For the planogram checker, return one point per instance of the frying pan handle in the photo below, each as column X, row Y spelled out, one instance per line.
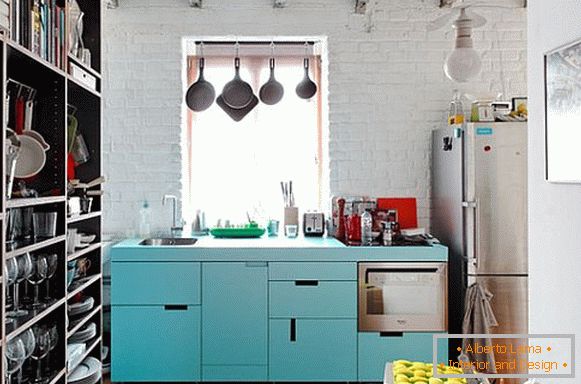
column 237, row 63
column 202, row 63
column 272, row 63
column 306, row 63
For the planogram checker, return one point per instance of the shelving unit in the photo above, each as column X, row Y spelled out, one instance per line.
column 56, row 89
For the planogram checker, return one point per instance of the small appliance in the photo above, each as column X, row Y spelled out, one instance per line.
column 314, row 224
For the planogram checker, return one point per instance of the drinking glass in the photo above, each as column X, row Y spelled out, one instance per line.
column 52, row 261
column 53, row 341
column 24, row 268
column 10, row 273
column 44, row 224
column 29, row 342
column 38, row 275
column 15, row 356
column 42, row 338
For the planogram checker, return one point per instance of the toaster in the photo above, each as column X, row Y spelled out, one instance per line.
column 314, row 224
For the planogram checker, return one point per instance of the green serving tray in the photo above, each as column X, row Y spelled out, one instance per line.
column 237, row 233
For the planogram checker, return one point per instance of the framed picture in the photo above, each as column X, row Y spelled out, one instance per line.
column 519, row 101
column 563, row 114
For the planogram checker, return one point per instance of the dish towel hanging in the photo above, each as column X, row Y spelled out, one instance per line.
column 478, row 319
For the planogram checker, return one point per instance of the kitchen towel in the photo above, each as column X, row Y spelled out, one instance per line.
column 478, row 319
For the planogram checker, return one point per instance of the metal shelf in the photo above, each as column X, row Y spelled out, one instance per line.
column 84, row 321
column 89, row 281
column 84, row 216
column 39, row 316
column 83, row 251
column 31, row 202
column 35, row 246
column 86, row 354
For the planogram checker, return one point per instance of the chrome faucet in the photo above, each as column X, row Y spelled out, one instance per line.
column 177, row 227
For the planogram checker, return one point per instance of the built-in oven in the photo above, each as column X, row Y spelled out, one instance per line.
column 403, row 297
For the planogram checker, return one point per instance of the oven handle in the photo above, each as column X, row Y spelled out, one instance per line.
column 399, row 270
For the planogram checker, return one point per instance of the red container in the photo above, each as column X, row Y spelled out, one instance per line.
column 353, row 224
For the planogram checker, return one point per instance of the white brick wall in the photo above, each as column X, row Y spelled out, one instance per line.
column 387, row 89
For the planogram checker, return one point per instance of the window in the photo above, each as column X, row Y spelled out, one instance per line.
column 236, row 167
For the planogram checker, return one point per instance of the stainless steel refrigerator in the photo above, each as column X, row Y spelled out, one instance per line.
column 479, row 210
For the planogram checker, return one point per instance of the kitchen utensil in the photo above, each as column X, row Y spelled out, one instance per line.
column 306, row 88
column 314, row 224
column 52, row 262
column 199, row 224
column 291, row 217
column 272, row 91
column 37, row 277
column 245, row 232
column 83, row 306
column 44, row 224
column 291, row 230
column 86, row 238
column 71, row 240
column 201, row 94
column 80, row 150
column 237, row 93
column 237, row 114
column 31, row 159
column 86, row 204
column 73, row 206
column 273, row 228
column 83, row 266
column 12, row 151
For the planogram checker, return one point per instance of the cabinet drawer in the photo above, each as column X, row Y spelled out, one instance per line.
column 312, row 271
column 313, row 350
column 234, row 373
column 155, row 343
column 313, row 298
column 155, row 283
column 376, row 350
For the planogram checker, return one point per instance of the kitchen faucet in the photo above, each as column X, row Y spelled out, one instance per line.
column 176, row 228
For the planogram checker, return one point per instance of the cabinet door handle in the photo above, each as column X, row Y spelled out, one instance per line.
column 293, row 330
column 255, row 264
column 312, row 283
column 390, row 334
column 174, row 307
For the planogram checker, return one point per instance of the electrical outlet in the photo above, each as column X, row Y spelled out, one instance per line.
column 361, row 6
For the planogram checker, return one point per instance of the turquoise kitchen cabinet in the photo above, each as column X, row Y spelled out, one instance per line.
column 155, row 343
column 283, row 271
column 234, row 321
column 313, row 298
column 376, row 349
column 313, row 350
column 155, row 283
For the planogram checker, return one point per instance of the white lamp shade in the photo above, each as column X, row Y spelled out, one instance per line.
column 462, row 64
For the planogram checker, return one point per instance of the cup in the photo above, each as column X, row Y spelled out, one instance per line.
column 83, row 266
column 291, row 230
column 273, row 227
column 44, row 224
column 71, row 240
column 86, row 204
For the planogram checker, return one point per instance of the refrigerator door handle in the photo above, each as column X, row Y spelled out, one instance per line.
column 472, row 230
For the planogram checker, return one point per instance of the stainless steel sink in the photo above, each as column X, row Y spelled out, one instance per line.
column 168, row 241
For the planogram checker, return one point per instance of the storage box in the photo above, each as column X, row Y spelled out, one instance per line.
column 83, row 76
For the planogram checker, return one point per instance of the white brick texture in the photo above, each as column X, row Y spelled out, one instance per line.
column 387, row 90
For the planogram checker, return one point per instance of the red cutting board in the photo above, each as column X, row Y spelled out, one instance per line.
column 407, row 210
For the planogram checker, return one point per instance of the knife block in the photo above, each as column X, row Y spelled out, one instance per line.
column 291, row 217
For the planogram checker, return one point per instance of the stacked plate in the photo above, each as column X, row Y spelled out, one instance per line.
column 85, row 305
column 88, row 372
column 84, row 334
